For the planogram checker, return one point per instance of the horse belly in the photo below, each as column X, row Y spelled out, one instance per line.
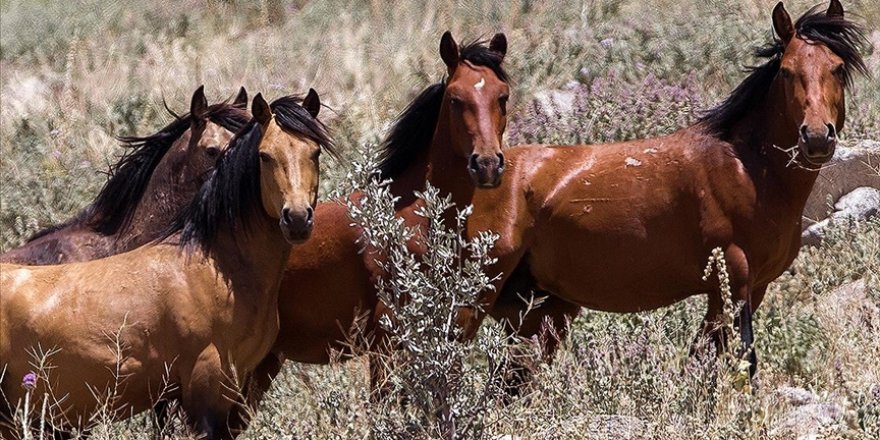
column 622, row 265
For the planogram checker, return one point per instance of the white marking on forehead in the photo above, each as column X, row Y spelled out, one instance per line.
column 480, row 84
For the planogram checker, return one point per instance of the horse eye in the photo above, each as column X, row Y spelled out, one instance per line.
column 213, row 151
column 785, row 72
column 503, row 102
column 265, row 157
column 455, row 102
column 839, row 71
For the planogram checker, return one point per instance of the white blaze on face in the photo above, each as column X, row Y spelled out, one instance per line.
column 480, row 84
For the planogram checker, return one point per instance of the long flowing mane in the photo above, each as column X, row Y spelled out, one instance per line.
column 845, row 38
column 116, row 203
column 232, row 194
column 411, row 134
column 118, row 199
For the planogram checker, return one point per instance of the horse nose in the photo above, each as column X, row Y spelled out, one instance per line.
column 832, row 132
column 816, row 142
column 310, row 216
column 472, row 163
column 297, row 224
column 486, row 170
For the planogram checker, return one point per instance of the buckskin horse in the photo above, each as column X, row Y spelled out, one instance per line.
column 148, row 187
column 629, row 226
column 197, row 309
column 450, row 134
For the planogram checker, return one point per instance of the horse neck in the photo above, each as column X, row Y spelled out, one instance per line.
column 171, row 187
column 410, row 180
column 252, row 255
column 760, row 138
column 446, row 170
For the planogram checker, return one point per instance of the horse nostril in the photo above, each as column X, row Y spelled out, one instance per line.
column 472, row 164
column 832, row 132
column 285, row 215
column 310, row 215
column 804, row 132
column 500, row 161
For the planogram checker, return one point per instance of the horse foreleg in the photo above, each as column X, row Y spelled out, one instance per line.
column 747, row 337
column 255, row 388
column 713, row 328
column 743, row 290
column 206, row 405
column 747, row 331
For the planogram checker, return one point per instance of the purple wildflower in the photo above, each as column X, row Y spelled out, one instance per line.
column 29, row 381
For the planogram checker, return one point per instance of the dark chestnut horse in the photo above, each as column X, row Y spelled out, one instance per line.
column 629, row 226
column 148, row 187
column 451, row 136
column 197, row 308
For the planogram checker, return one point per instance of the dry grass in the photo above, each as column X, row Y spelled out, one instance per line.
column 74, row 74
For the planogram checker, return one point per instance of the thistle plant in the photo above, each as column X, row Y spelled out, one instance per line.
column 449, row 385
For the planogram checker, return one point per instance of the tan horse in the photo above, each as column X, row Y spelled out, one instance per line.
column 629, row 226
column 199, row 308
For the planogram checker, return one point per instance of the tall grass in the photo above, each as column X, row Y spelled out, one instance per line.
column 75, row 74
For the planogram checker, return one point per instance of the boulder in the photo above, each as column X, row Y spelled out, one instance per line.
column 852, row 167
column 860, row 204
column 805, row 422
column 796, row 396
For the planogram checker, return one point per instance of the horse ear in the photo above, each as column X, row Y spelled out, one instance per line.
column 835, row 9
column 498, row 44
column 261, row 110
column 782, row 23
column 449, row 51
column 241, row 99
column 312, row 103
column 199, row 105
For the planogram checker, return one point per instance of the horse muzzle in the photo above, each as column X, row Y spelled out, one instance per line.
column 486, row 170
column 296, row 227
column 817, row 145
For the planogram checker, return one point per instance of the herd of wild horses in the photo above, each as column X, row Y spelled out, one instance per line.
column 184, row 258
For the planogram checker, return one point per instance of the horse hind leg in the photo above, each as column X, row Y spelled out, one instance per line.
column 548, row 323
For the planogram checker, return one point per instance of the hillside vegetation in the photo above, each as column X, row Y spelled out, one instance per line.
column 75, row 74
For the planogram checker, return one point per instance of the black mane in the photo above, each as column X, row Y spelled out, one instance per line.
column 232, row 193
column 845, row 38
column 116, row 203
column 118, row 199
column 410, row 136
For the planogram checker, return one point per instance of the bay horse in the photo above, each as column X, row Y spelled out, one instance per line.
column 197, row 308
column 150, row 184
column 449, row 135
column 629, row 226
